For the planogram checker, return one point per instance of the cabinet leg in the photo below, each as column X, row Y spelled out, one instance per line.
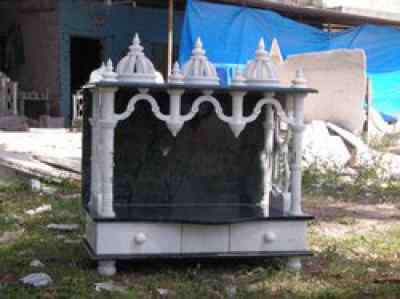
column 106, row 268
column 294, row 264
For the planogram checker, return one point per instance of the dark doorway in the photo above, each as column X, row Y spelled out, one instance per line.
column 86, row 55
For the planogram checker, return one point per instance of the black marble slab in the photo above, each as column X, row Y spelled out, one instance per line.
column 226, row 214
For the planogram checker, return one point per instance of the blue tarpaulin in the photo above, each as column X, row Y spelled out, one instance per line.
column 230, row 35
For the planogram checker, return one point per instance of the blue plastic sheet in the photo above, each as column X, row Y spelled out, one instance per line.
column 230, row 35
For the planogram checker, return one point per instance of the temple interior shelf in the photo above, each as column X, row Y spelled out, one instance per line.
column 197, row 214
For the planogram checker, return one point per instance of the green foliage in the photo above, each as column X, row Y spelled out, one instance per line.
column 371, row 180
column 383, row 143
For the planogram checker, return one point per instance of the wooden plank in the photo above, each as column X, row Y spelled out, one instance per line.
column 62, row 164
column 26, row 166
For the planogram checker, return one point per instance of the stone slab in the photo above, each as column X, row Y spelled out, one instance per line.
column 204, row 165
column 341, row 79
column 323, row 149
column 378, row 127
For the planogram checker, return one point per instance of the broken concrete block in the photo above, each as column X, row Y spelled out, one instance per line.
column 360, row 149
column 323, row 149
column 110, row 286
column 36, row 185
column 377, row 127
column 341, row 79
column 36, row 264
column 163, row 293
column 37, row 280
column 39, row 210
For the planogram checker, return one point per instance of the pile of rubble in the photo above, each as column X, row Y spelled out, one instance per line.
column 328, row 146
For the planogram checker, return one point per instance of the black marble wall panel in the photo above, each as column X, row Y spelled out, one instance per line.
column 204, row 164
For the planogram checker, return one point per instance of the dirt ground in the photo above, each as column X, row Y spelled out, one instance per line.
column 341, row 219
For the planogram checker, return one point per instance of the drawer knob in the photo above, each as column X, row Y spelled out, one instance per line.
column 140, row 238
column 269, row 237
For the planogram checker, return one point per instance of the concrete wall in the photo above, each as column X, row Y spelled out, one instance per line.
column 392, row 6
column 115, row 25
column 315, row 3
column 39, row 24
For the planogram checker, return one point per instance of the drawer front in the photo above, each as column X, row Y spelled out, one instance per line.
column 205, row 238
column 268, row 236
column 138, row 238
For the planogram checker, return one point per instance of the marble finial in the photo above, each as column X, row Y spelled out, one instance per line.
column 109, row 74
column 239, row 78
column 261, row 44
column 199, row 44
column 135, row 47
column 136, row 39
column 300, row 80
column 109, row 66
column 198, row 48
column 176, row 76
column 261, row 53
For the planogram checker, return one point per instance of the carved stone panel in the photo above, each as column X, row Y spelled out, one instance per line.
column 204, row 165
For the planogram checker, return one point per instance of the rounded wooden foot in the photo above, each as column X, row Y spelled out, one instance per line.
column 106, row 268
column 294, row 264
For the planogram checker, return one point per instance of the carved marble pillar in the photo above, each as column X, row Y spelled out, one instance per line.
column 267, row 155
column 107, row 125
column 286, row 177
column 3, row 96
column 14, row 95
column 298, row 128
column 95, row 181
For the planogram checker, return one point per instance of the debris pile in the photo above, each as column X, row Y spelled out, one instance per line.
column 328, row 146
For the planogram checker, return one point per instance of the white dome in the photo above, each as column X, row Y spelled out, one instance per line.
column 135, row 66
column 97, row 74
column 198, row 70
column 261, row 71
